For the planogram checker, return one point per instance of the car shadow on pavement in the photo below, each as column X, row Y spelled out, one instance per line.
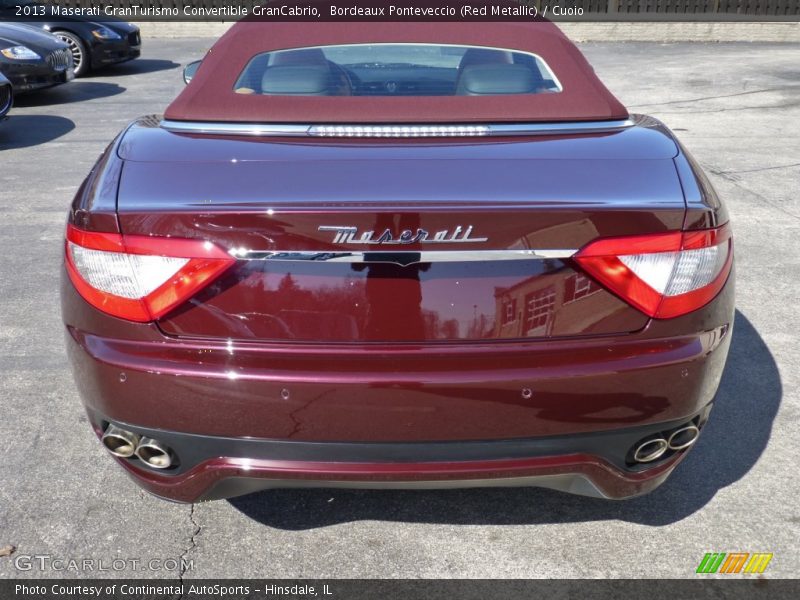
column 135, row 67
column 23, row 131
column 75, row 91
column 737, row 434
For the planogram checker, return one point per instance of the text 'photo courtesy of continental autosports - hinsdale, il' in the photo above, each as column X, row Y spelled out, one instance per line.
column 449, row 257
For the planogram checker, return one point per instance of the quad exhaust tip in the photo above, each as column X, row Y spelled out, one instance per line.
column 120, row 442
column 154, row 453
column 126, row 444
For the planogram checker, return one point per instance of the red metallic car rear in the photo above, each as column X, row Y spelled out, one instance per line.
column 399, row 372
column 253, row 305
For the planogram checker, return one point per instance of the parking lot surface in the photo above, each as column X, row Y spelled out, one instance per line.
column 737, row 109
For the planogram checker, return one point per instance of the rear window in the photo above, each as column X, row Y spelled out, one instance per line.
column 396, row 70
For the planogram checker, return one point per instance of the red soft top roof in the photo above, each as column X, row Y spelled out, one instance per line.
column 210, row 95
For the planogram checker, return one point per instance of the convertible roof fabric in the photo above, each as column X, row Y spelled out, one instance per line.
column 210, row 96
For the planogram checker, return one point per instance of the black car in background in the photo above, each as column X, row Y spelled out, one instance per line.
column 32, row 59
column 6, row 96
column 93, row 44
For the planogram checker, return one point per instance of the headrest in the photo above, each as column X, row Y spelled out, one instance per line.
column 491, row 80
column 306, row 57
column 485, row 56
column 297, row 81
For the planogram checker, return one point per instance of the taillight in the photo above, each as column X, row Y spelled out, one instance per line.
column 140, row 278
column 664, row 275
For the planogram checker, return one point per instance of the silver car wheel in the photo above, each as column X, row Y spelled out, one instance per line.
column 76, row 48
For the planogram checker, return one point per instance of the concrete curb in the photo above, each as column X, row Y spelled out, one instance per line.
column 579, row 32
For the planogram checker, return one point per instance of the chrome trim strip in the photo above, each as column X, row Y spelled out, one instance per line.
column 247, row 129
column 402, row 257
column 393, row 130
column 559, row 128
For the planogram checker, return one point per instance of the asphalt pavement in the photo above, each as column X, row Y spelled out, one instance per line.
column 737, row 109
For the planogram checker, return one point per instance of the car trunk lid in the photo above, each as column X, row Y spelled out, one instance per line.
column 431, row 231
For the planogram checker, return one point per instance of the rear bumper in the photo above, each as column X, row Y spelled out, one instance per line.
column 410, row 395
column 211, row 467
column 243, row 417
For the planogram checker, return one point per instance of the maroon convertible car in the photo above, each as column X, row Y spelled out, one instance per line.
column 397, row 255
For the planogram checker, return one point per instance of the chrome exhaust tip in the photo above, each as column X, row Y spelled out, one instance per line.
column 119, row 442
column 154, row 454
column 684, row 437
column 650, row 450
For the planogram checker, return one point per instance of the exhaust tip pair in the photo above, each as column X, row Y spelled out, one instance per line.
column 654, row 448
column 126, row 444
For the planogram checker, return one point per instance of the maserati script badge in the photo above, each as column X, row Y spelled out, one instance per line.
column 345, row 234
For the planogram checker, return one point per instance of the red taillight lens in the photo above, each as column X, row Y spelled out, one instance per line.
column 664, row 275
column 140, row 278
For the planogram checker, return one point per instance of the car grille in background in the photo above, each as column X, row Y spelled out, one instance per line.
column 60, row 60
column 133, row 38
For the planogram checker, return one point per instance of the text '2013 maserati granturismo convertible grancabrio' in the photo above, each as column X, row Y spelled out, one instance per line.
column 397, row 255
